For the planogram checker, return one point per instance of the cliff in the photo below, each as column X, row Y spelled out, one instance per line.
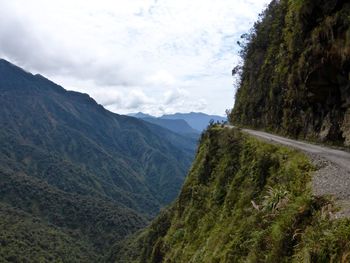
column 295, row 77
column 244, row 201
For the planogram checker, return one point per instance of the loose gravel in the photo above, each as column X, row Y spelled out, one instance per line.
column 332, row 177
column 332, row 180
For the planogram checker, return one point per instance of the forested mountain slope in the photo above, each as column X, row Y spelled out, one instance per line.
column 244, row 200
column 247, row 200
column 78, row 168
column 295, row 77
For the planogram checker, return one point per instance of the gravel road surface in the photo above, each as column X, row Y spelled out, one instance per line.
column 333, row 168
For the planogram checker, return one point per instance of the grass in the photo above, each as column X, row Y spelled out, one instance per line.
column 246, row 201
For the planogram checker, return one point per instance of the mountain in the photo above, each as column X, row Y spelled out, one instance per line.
column 141, row 115
column 250, row 200
column 177, row 125
column 74, row 173
column 295, row 77
column 198, row 121
column 244, row 200
column 183, row 123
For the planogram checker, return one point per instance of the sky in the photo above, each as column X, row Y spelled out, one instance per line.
column 154, row 56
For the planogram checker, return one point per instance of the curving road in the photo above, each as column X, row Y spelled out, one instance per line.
column 333, row 174
column 340, row 158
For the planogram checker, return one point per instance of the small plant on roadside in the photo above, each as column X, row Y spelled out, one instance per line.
column 275, row 199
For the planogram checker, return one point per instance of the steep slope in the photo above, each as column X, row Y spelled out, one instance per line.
column 197, row 120
column 248, row 200
column 39, row 221
column 85, row 170
column 25, row 238
column 295, row 79
column 244, row 201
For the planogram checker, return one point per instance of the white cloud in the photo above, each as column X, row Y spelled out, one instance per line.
column 162, row 77
column 150, row 55
column 137, row 98
column 174, row 95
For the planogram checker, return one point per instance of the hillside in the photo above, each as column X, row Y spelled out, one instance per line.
column 81, row 184
column 295, row 76
column 78, row 170
column 25, row 238
column 244, row 201
column 252, row 200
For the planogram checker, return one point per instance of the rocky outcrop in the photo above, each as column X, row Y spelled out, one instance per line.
column 345, row 128
column 295, row 77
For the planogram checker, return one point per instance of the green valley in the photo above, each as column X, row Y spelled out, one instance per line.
column 80, row 183
column 73, row 169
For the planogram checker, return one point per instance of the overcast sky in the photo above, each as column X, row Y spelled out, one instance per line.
column 155, row 56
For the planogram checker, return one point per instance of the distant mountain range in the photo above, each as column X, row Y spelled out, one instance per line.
column 141, row 115
column 179, row 126
column 196, row 120
column 74, row 174
column 184, row 123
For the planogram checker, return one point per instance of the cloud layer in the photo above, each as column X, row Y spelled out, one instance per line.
column 156, row 56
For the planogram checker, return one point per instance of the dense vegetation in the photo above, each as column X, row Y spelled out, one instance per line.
column 72, row 172
column 76, row 179
column 249, row 201
column 244, row 201
column 295, row 75
column 26, row 238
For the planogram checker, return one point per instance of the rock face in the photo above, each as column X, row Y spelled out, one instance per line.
column 295, row 77
column 345, row 128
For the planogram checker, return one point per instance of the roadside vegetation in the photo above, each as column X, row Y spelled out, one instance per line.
column 294, row 77
column 244, row 201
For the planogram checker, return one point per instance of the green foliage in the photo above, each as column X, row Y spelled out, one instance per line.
column 275, row 199
column 24, row 238
column 76, row 175
column 252, row 203
column 294, row 79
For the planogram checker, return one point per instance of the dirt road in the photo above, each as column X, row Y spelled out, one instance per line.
column 333, row 174
column 340, row 158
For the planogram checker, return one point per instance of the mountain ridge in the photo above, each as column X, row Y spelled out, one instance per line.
column 198, row 121
column 73, row 164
